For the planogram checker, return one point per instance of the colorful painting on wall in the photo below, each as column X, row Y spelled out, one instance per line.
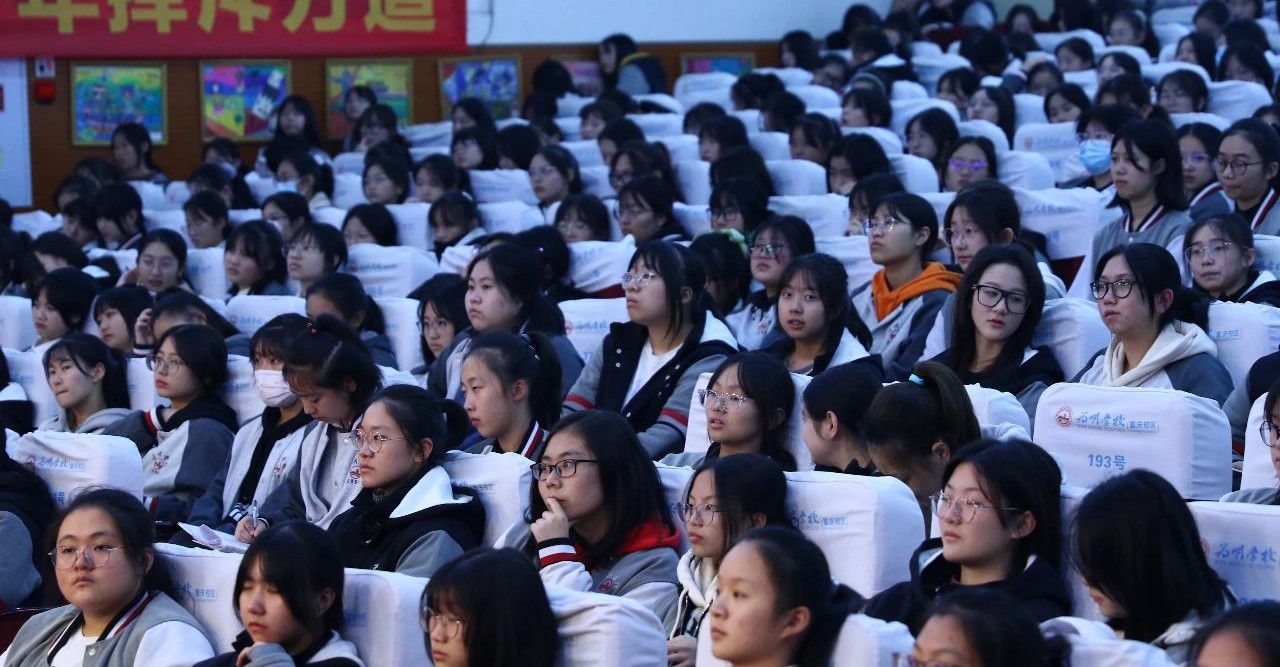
column 496, row 81
column 237, row 98
column 587, row 79
column 105, row 95
column 731, row 63
column 391, row 81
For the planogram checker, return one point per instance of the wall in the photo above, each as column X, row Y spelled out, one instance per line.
column 53, row 157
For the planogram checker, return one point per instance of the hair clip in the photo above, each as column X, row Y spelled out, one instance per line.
column 916, row 379
column 311, row 328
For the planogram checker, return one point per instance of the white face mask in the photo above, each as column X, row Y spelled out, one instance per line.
column 273, row 389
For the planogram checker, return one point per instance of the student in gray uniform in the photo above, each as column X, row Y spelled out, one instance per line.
column 1266, row 495
column 184, row 444
column 597, row 520
column 343, row 296
column 1145, row 167
column 512, row 385
column 25, row 511
column 88, row 381
column 1198, row 143
column 1157, row 327
column 1248, row 164
column 122, row 609
column 332, row 374
column 288, row 593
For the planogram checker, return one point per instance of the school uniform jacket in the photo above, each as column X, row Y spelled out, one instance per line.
column 659, row 411
column 643, row 570
column 330, row 651
column 1162, row 227
column 180, row 455
column 322, row 485
column 154, row 631
column 1261, row 287
column 1182, row 357
column 95, row 423
column 900, row 337
column 380, row 349
column 531, row 447
column 263, row 454
column 1266, row 219
column 1209, row 202
column 414, row 530
column 25, row 511
column 755, row 325
column 1039, row 586
column 847, row 349
column 1026, row 380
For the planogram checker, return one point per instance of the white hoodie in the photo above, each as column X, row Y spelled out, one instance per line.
column 1176, row 341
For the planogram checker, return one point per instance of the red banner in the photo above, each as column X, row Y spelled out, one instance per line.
column 229, row 28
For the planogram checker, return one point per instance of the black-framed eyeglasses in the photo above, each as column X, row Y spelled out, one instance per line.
column 1237, row 167
column 726, row 213
column 1265, row 429
column 563, row 469
column 907, row 660
column 991, row 296
column 1118, row 288
column 703, row 515
column 767, row 250
column 963, row 508
column 158, row 363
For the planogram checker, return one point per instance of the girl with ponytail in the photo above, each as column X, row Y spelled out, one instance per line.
column 913, row 428
column 512, row 388
column 334, row 378
column 409, row 517
column 776, row 603
column 343, row 296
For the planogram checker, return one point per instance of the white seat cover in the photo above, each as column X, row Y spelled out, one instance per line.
column 925, row 49
column 693, row 83
column 411, row 224
column 1154, row 72
column 207, row 272
column 1058, row 214
column 868, row 527
column 598, row 629
column 1073, row 330
column 694, row 178
column 816, row 97
column 261, row 186
column 658, row 124
column 1057, row 143
column 694, row 218
column 790, row 76
column 570, row 127
column 152, row 196
column 1180, row 119
column 570, row 105
column 1086, row 79
column 827, row 214
column 663, row 100
column 595, row 181
column 420, row 153
column 1136, row 52
column 495, row 185
column 501, row 482
column 248, row 312
column 36, row 222
column 348, row 163
column 908, row 90
column 1082, row 605
column 17, row 328
column 71, row 461
column 586, row 321
column 916, row 173
column 141, row 384
column 1259, row 472
column 1243, row 333
column 683, row 147
column 1243, row 546
column 1094, row 643
column 905, row 110
column 124, row 259
column 853, row 253
column 1268, row 249
column 798, row 177
column 239, row 391
column 870, row 642
column 428, row 134
column 599, row 265
column 771, row 145
column 174, row 220
column 988, row 130
column 1023, row 169
column 401, row 315
column 752, row 119
column 586, row 152
column 1234, row 100
column 348, row 191
column 1097, row 432
column 239, row 216
column 993, row 407
column 205, row 581
column 390, row 271
column 891, row 143
column 696, row 439
column 930, row 68
column 27, row 369
column 675, row 481
column 1049, row 41
column 1028, row 109
column 509, row 216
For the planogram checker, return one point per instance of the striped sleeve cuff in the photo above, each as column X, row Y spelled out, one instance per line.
column 556, row 551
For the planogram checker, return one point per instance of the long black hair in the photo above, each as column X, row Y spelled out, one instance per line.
column 680, row 269
column 746, row 485
column 329, row 355
column 1157, row 142
column 518, row 272
column 423, row 416
column 963, row 337
column 1155, row 270
column 1136, row 541
column 87, row 352
column 347, row 295
column 764, row 380
column 300, row 561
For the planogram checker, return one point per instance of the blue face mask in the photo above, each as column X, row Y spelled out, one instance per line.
column 1095, row 155
column 286, row 186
